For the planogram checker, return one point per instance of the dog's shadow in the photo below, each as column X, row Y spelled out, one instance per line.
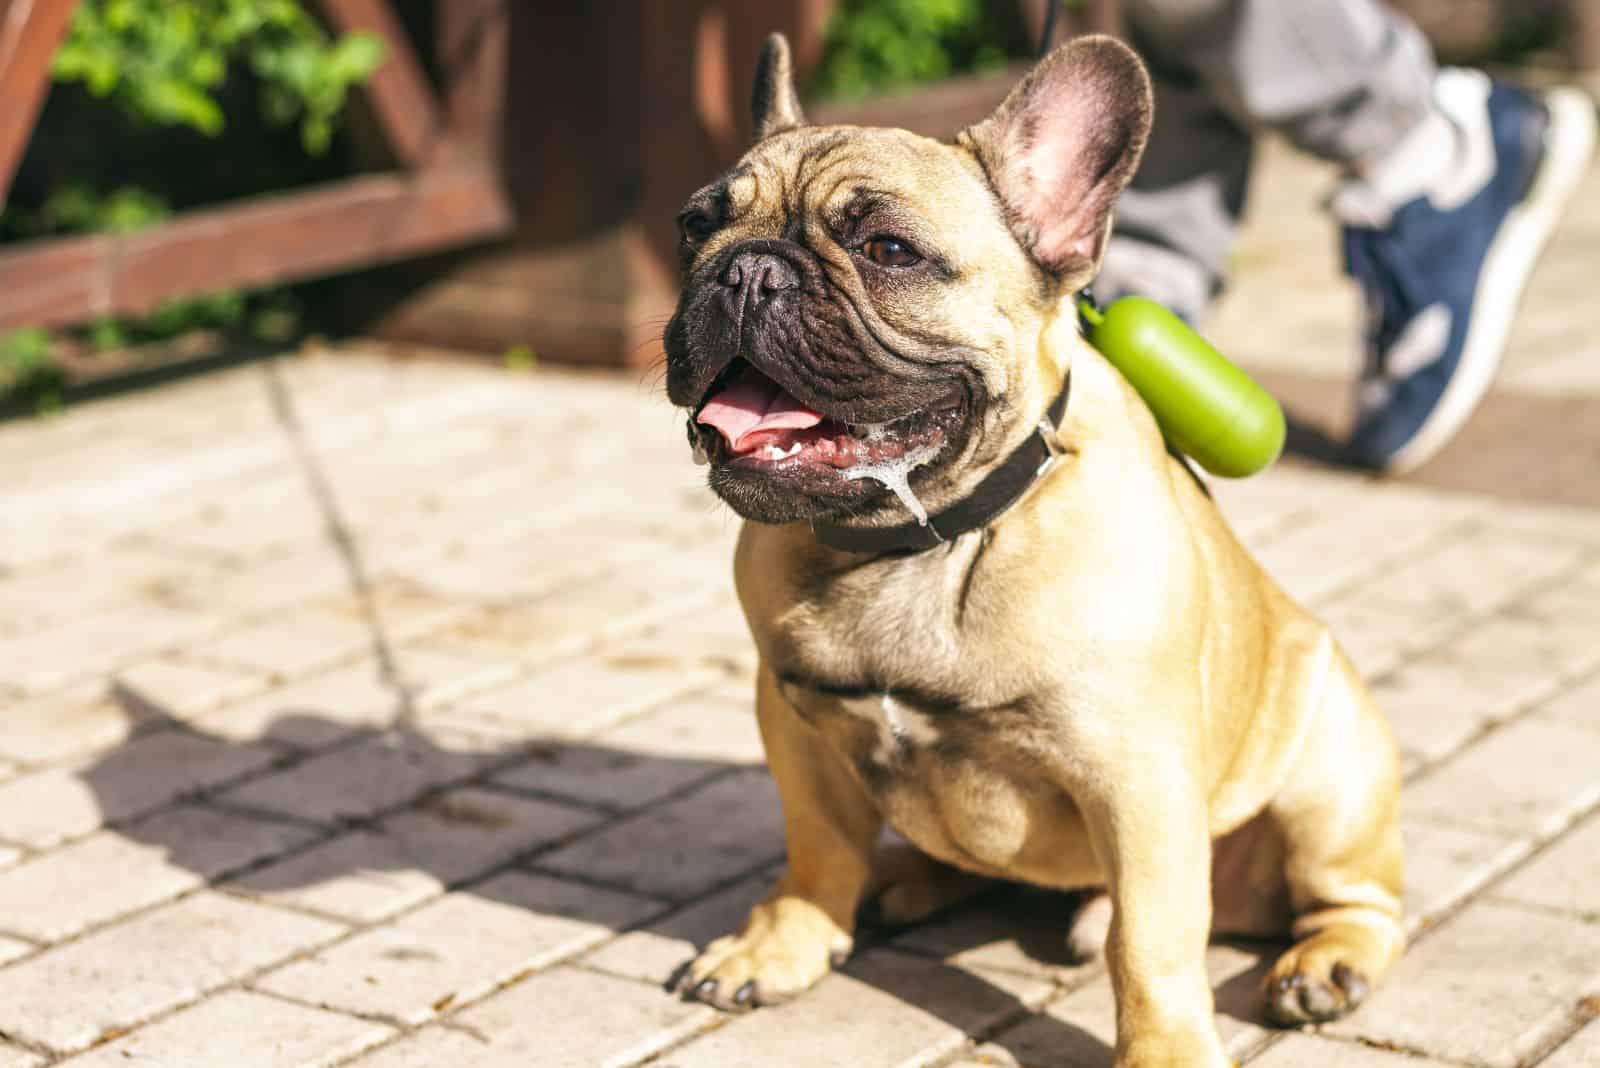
column 982, row 968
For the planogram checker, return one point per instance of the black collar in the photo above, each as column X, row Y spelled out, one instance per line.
column 1003, row 487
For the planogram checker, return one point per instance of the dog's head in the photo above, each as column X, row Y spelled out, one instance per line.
column 865, row 299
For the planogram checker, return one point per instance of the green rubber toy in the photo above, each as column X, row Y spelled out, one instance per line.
column 1205, row 405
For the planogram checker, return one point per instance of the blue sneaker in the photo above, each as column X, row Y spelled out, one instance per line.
column 1442, row 274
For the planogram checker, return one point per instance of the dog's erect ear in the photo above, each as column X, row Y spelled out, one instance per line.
column 774, row 104
column 1063, row 145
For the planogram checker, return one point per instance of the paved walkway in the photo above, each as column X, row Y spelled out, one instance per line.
column 395, row 715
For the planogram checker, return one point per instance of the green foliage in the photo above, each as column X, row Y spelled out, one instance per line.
column 874, row 45
column 27, row 373
column 77, row 208
column 166, row 60
column 520, row 358
column 203, row 88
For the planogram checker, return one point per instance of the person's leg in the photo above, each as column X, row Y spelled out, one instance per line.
column 1177, row 221
column 1343, row 79
column 1454, row 185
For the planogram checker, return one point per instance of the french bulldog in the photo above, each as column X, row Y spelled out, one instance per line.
column 992, row 610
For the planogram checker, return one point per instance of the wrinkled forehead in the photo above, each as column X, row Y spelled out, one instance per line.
column 821, row 170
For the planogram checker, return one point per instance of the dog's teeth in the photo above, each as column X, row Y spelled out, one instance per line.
column 794, row 450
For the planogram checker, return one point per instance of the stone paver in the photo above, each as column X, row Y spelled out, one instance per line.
column 1440, row 700
column 654, row 755
column 1309, row 1051
column 63, row 892
column 365, row 875
column 1444, row 864
column 1502, row 979
column 1582, row 1051
column 13, row 948
column 240, row 1030
column 172, row 687
column 1580, row 705
column 558, row 1019
column 1079, row 1029
column 433, row 1046
column 886, row 1009
column 68, row 998
column 1529, row 778
column 458, row 948
column 284, row 648
column 67, row 723
column 687, row 846
column 43, row 808
column 1567, row 877
column 378, row 773
column 311, row 712
column 1410, row 606
column 579, row 697
column 490, row 765
column 1023, row 931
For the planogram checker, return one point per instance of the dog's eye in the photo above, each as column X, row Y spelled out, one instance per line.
column 696, row 225
column 887, row 252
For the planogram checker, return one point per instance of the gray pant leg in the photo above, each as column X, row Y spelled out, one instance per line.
column 1342, row 79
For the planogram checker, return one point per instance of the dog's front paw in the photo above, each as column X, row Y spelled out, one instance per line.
column 786, row 946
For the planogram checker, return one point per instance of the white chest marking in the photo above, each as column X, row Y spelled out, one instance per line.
column 901, row 725
column 891, row 716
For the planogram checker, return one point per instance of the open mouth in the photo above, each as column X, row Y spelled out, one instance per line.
column 748, row 420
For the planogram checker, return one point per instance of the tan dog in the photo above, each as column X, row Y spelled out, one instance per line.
column 1095, row 685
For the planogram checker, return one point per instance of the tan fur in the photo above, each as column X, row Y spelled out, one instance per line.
column 1125, row 700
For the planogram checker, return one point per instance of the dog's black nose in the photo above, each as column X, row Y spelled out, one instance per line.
column 758, row 275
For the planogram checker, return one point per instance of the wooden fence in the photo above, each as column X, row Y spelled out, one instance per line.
column 556, row 138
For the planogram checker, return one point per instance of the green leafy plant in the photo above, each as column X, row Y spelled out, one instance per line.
column 214, row 98
column 872, row 45
column 27, row 372
column 165, row 60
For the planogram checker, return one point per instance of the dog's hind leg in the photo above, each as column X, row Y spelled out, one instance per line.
column 806, row 924
column 909, row 886
column 1338, row 817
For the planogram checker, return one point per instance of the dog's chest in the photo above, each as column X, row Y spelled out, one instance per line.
column 948, row 771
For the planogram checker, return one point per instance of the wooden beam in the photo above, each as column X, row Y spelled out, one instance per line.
column 30, row 31
column 359, row 222
column 473, row 47
column 401, row 96
column 1583, row 35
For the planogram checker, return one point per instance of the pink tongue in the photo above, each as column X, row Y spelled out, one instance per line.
column 752, row 405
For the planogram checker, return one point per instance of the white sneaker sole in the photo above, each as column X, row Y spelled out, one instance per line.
column 1569, row 146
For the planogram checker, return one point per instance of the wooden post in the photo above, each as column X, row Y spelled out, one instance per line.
column 472, row 48
column 1092, row 16
column 30, row 31
column 613, row 114
column 398, row 89
column 1583, row 27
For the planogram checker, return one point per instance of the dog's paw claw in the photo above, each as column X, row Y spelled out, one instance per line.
column 1352, row 982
